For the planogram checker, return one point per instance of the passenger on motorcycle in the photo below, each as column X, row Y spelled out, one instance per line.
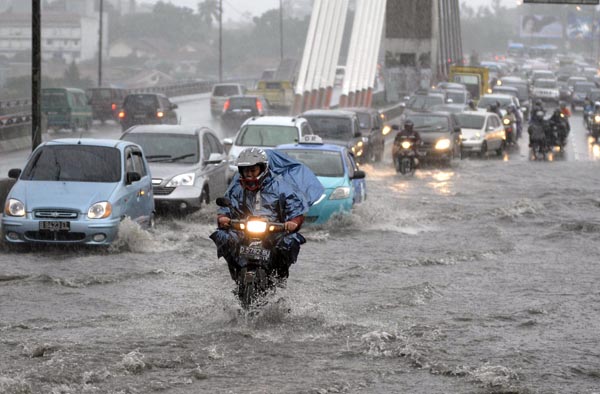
column 556, row 132
column 407, row 133
column 536, row 129
column 538, row 105
column 565, row 110
column 260, row 193
column 495, row 108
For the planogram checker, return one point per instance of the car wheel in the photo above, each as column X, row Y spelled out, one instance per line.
column 501, row 148
column 151, row 221
column 483, row 149
column 379, row 154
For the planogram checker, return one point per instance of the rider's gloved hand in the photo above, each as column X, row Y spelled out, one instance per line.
column 223, row 221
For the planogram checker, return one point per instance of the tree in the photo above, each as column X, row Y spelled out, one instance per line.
column 209, row 11
column 71, row 75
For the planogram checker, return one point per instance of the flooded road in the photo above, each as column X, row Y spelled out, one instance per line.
column 478, row 278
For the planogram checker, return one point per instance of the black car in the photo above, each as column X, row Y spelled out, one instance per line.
column 440, row 133
column 338, row 127
column 371, row 127
column 147, row 108
column 106, row 102
column 239, row 108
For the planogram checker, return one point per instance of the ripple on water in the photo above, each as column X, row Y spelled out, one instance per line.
column 14, row 385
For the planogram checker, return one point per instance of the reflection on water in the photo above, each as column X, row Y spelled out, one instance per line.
column 442, row 184
column 595, row 152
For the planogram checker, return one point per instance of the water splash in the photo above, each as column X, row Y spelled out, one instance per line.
column 14, row 386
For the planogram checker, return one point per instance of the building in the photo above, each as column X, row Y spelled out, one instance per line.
column 66, row 36
column 423, row 36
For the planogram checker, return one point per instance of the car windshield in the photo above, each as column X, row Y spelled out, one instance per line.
column 583, row 87
column 456, row 97
column 101, row 94
column 485, row 102
column 54, row 98
column 74, row 163
column 429, row 122
column 329, row 127
column 364, row 119
column 470, row 121
column 424, row 102
column 242, row 102
column 266, row 135
column 322, row 163
column 167, row 147
column 225, row 90
column 141, row 102
column 544, row 83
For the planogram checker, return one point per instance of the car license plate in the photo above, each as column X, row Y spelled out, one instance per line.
column 55, row 225
column 255, row 253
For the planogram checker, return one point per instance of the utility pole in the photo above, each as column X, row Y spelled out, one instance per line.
column 36, row 74
column 281, row 28
column 100, row 47
column 220, row 40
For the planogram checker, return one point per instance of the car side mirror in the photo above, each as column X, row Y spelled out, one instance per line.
column 174, row 106
column 133, row 177
column 359, row 174
column 214, row 158
column 14, row 173
column 227, row 141
column 357, row 134
column 457, row 129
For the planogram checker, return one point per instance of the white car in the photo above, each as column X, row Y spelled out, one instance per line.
column 482, row 132
column 265, row 132
column 545, row 89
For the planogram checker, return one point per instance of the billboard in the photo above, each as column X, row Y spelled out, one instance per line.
column 545, row 26
column 579, row 27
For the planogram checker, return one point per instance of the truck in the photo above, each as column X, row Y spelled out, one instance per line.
column 476, row 79
column 279, row 94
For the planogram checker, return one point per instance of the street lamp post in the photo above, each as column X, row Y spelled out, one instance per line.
column 281, row 28
column 220, row 40
column 100, row 47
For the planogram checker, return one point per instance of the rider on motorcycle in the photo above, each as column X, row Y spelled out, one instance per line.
column 407, row 133
column 259, row 192
column 536, row 129
column 538, row 105
column 565, row 110
column 556, row 132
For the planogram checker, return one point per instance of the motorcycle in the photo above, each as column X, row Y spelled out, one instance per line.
column 594, row 128
column 405, row 159
column 257, row 278
column 510, row 129
column 539, row 149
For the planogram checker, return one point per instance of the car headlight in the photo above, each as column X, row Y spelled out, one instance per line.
column 100, row 210
column 386, row 130
column 442, row 144
column 597, row 118
column 182, row 180
column 477, row 136
column 14, row 207
column 340, row 193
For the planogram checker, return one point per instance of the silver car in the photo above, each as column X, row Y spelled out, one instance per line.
column 188, row 164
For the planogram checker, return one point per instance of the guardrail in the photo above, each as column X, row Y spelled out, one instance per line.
column 15, row 106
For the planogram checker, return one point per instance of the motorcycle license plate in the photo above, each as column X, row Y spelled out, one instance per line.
column 55, row 225
column 254, row 253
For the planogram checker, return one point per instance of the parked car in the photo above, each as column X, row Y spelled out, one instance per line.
column 106, row 103
column 78, row 191
column 372, row 127
column 339, row 127
column 220, row 93
column 482, row 132
column 239, row 108
column 440, row 134
column 147, row 108
column 265, row 132
column 188, row 164
column 337, row 171
column 66, row 108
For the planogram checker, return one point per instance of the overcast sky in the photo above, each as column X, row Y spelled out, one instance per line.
column 234, row 9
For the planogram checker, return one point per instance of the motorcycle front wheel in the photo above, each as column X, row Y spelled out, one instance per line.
column 252, row 286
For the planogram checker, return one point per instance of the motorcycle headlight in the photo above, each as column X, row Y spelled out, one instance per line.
column 597, row 118
column 506, row 121
column 340, row 193
column 442, row 144
column 359, row 144
column 386, row 130
column 14, row 207
column 100, row 210
column 406, row 144
column 182, row 180
column 256, row 226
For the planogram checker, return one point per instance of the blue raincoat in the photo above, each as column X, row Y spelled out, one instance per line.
column 287, row 192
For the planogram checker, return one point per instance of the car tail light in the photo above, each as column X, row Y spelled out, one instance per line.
column 160, row 114
column 113, row 106
column 121, row 114
column 259, row 105
column 226, row 105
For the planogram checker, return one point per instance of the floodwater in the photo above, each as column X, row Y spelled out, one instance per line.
column 478, row 278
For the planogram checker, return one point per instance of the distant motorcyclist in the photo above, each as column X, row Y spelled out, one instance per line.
column 408, row 132
column 512, row 109
column 558, row 128
column 495, row 108
column 588, row 109
column 565, row 110
column 472, row 105
column 536, row 129
column 538, row 105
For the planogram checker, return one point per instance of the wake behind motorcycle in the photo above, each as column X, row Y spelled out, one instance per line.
column 257, row 277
